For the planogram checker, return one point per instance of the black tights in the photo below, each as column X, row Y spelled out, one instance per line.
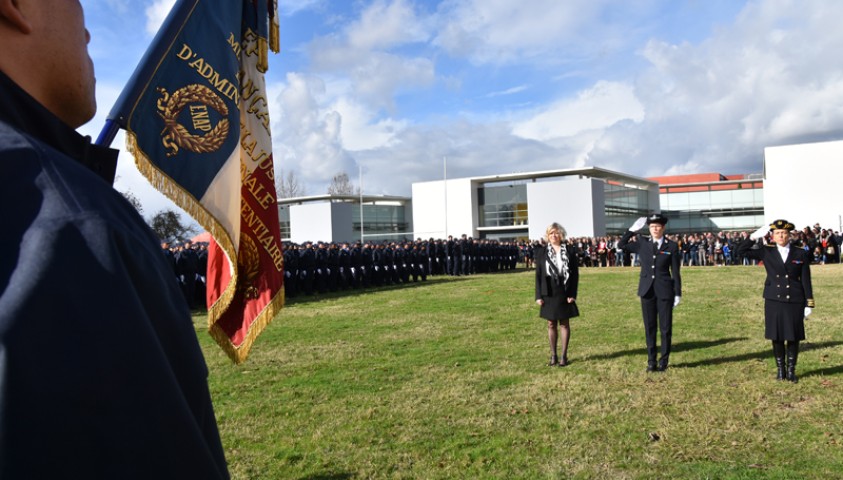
column 792, row 348
column 553, row 336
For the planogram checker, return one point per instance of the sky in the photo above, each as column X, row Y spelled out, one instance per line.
column 400, row 91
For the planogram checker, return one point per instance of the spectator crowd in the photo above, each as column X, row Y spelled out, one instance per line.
column 704, row 249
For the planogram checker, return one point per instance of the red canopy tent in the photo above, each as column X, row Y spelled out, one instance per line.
column 202, row 237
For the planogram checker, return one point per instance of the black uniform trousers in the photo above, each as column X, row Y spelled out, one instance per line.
column 657, row 314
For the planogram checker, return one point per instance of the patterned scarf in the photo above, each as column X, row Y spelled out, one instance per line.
column 557, row 264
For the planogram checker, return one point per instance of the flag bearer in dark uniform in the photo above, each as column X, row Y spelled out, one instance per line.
column 101, row 374
column 788, row 295
column 659, row 285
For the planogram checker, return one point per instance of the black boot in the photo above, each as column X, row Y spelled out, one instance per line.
column 792, row 355
column 778, row 354
column 780, row 373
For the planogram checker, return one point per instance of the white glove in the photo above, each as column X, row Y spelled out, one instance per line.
column 676, row 300
column 639, row 224
column 761, row 232
column 808, row 311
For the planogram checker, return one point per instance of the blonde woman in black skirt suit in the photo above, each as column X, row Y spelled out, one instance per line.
column 788, row 294
column 557, row 278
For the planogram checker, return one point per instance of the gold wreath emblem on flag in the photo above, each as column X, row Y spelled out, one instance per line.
column 198, row 98
column 248, row 262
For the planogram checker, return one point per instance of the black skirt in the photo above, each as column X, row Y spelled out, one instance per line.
column 556, row 306
column 784, row 321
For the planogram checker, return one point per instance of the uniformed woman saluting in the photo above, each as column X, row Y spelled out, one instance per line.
column 788, row 296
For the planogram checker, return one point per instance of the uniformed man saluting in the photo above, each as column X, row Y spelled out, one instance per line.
column 659, row 285
column 788, row 294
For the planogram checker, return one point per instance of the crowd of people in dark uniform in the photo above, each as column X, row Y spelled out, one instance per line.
column 190, row 263
column 320, row 267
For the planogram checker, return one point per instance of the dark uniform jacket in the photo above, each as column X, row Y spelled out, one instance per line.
column 659, row 266
column 101, row 374
column 789, row 281
column 570, row 286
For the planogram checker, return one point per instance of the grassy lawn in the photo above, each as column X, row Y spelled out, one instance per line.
column 447, row 379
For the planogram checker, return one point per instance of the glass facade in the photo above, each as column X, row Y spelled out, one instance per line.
column 384, row 221
column 623, row 205
column 714, row 210
column 502, row 206
column 284, row 221
column 507, row 236
column 506, row 206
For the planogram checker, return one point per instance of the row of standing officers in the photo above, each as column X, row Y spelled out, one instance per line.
column 321, row 267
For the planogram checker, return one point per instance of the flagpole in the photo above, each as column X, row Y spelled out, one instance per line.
column 360, row 170
column 109, row 131
column 445, row 185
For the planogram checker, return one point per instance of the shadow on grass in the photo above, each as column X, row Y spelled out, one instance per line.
column 315, row 297
column 328, row 476
column 677, row 347
column 767, row 353
column 821, row 372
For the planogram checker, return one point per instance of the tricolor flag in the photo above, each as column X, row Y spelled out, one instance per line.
column 197, row 122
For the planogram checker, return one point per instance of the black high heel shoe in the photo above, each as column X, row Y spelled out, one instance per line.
column 563, row 362
column 554, row 360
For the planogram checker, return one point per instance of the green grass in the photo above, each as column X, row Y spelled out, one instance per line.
column 447, row 379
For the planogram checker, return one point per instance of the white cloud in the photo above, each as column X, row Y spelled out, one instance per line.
column 598, row 107
column 508, row 91
column 306, row 137
column 383, row 25
column 361, row 130
column 503, row 31
column 291, row 7
column 416, row 154
column 768, row 79
column 362, row 51
column 156, row 13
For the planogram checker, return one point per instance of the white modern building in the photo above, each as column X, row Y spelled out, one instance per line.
column 336, row 218
column 801, row 184
column 587, row 201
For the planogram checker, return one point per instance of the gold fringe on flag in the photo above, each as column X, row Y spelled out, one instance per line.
column 274, row 34
column 274, row 39
column 166, row 185
column 239, row 354
column 263, row 56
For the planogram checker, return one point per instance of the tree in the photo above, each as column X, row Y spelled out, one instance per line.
column 168, row 226
column 341, row 185
column 289, row 186
column 134, row 200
